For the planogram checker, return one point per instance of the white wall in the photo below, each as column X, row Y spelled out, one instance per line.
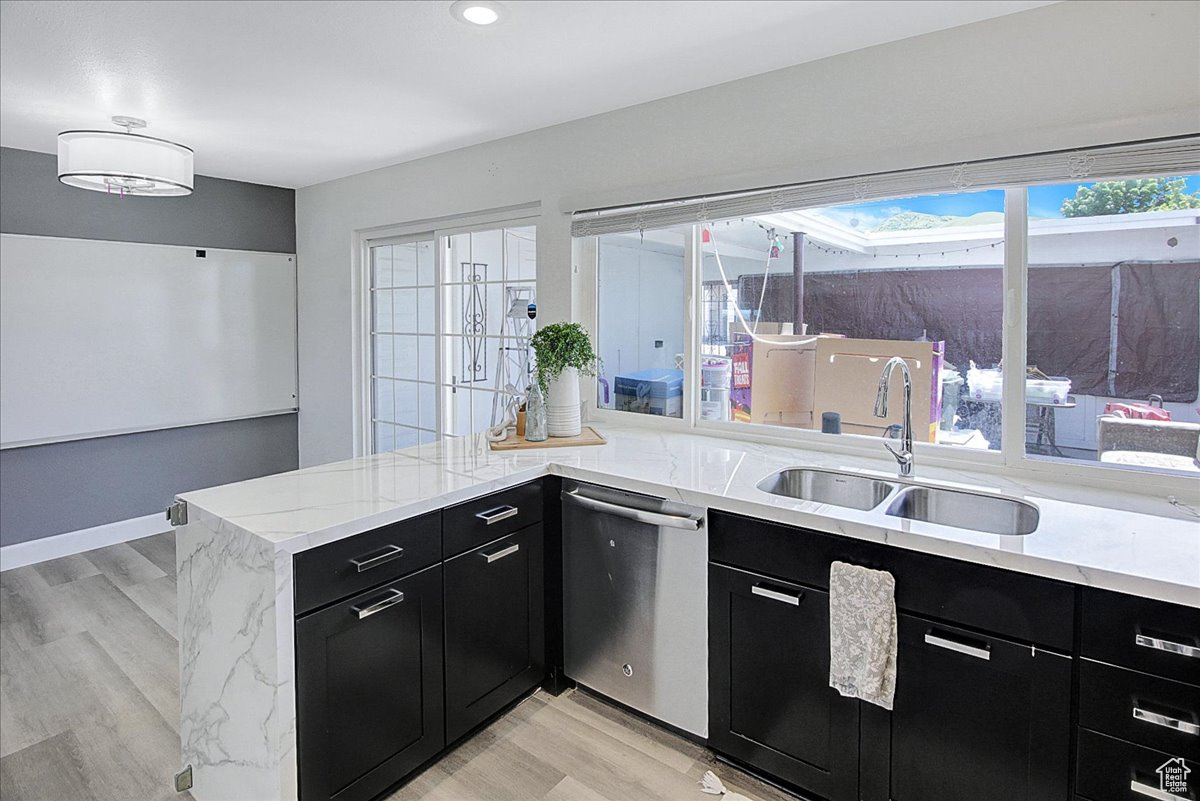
column 1062, row 76
column 640, row 300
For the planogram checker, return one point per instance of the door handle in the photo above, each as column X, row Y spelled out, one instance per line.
column 629, row 513
column 1152, row 792
column 1171, row 647
column 378, row 605
column 954, row 645
column 776, row 595
column 1166, row 722
column 503, row 552
column 499, row 513
column 378, row 558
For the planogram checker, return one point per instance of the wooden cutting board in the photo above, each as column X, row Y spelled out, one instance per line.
column 588, row 436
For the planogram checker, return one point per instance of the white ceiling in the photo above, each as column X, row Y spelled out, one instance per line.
column 293, row 93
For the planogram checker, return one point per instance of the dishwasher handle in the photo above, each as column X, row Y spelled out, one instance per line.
column 640, row 515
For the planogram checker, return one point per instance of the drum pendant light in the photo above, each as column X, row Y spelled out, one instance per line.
column 124, row 163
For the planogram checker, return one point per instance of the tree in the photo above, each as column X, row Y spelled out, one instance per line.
column 1130, row 197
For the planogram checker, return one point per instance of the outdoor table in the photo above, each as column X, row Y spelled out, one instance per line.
column 1039, row 421
column 1044, row 411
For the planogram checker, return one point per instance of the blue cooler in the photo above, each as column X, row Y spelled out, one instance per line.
column 654, row 391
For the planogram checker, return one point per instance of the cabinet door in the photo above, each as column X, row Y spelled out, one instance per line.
column 978, row 718
column 770, row 703
column 369, row 688
column 495, row 636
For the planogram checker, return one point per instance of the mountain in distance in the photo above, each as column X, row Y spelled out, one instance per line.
column 915, row 221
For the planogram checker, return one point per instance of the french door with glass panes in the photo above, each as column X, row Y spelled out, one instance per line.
column 449, row 325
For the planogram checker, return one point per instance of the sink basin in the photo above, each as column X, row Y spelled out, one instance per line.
column 968, row 510
column 827, row 486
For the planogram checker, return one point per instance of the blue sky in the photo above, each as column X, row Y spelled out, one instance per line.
column 1044, row 202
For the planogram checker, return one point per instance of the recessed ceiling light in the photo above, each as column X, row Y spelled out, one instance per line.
column 476, row 12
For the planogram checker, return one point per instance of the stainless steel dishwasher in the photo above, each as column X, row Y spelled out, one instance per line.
column 635, row 602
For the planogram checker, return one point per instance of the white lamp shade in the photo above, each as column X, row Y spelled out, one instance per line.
column 124, row 163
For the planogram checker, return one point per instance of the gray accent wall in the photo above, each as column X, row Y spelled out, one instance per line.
column 218, row 214
column 60, row 487
column 65, row 486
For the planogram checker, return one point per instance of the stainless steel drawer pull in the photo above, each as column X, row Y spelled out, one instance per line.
column 378, row 558
column 1166, row 722
column 499, row 513
column 503, row 552
column 378, row 606
column 1167, row 645
column 1152, row 792
column 776, row 595
column 962, row 648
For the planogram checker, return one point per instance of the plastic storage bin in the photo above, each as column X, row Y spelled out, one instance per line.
column 985, row 385
column 1052, row 390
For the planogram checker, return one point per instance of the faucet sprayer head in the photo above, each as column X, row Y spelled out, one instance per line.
column 881, row 395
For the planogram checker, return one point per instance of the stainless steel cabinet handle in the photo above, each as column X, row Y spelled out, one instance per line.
column 776, row 595
column 1167, row 645
column 1166, row 722
column 378, row 606
column 503, row 552
column 375, row 560
column 1152, row 792
column 499, row 513
column 640, row 515
column 962, row 648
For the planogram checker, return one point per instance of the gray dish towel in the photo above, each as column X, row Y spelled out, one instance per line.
column 862, row 633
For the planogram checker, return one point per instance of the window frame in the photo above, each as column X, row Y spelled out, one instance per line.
column 440, row 230
column 1011, row 460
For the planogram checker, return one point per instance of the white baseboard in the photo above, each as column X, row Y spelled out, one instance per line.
column 85, row 539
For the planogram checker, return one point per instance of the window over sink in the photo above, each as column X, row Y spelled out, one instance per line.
column 1083, row 268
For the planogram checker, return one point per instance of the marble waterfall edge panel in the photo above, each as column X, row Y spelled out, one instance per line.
column 228, row 662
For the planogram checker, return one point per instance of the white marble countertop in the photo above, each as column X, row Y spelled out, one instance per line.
column 1085, row 536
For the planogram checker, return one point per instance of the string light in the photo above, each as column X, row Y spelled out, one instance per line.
column 831, row 251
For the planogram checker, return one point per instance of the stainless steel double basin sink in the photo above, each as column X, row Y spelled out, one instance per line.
column 975, row 511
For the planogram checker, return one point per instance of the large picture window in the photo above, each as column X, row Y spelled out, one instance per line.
column 824, row 297
column 798, row 304
column 1113, row 326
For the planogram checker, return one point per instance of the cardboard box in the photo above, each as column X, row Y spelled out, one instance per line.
column 783, row 380
column 847, row 377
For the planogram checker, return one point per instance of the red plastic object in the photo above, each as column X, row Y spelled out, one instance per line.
column 1138, row 411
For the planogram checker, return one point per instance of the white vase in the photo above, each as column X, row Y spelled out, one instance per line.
column 562, row 405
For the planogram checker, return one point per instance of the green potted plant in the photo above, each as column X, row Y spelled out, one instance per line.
column 562, row 351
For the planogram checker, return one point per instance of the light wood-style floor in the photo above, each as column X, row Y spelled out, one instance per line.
column 89, row 706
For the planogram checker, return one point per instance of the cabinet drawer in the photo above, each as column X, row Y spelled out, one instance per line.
column 1109, row 769
column 1139, row 633
column 482, row 520
column 341, row 568
column 1025, row 608
column 1144, row 709
column 999, row 710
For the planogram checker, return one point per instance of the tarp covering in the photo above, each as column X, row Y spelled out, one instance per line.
column 1068, row 333
column 1069, row 326
column 1157, row 347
